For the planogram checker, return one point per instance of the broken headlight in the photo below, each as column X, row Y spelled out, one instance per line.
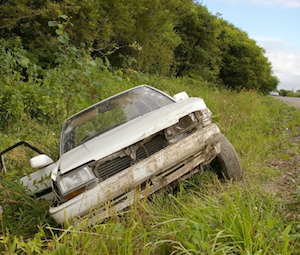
column 76, row 182
column 204, row 116
column 182, row 128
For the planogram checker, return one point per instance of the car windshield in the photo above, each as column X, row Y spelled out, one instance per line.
column 109, row 114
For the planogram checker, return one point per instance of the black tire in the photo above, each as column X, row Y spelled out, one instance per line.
column 227, row 164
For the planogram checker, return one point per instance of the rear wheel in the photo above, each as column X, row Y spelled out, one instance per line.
column 227, row 164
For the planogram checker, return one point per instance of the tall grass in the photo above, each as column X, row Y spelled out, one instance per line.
column 202, row 216
column 232, row 221
column 235, row 221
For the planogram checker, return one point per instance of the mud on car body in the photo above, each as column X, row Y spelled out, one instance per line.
column 135, row 142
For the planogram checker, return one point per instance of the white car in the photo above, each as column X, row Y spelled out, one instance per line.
column 127, row 147
column 274, row 93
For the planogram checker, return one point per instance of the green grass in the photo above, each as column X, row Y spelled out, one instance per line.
column 231, row 221
column 203, row 216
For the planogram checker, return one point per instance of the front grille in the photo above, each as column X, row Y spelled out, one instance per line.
column 157, row 143
column 118, row 164
column 112, row 167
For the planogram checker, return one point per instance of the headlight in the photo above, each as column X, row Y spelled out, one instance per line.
column 204, row 116
column 75, row 182
column 182, row 128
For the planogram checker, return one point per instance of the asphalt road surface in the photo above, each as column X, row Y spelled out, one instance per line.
column 292, row 101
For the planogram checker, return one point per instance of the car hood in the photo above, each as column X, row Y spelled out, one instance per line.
column 127, row 134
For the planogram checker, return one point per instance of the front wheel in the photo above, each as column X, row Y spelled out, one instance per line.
column 227, row 164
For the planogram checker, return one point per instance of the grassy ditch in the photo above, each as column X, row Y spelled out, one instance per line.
column 259, row 215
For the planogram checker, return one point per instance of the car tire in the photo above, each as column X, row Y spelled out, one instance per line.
column 227, row 164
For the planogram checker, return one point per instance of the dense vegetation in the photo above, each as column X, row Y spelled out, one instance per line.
column 165, row 37
column 58, row 58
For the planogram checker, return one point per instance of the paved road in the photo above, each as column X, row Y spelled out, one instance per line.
column 292, row 101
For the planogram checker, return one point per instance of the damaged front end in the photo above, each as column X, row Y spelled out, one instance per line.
column 151, row 163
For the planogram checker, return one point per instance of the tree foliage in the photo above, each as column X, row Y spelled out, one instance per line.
column 198, row 53
column 243, row 63
column 164, row 37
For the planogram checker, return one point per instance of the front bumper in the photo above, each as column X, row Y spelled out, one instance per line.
column 169, row 164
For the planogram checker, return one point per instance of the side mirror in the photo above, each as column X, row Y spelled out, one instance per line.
column 181, row 96
column 40, row 161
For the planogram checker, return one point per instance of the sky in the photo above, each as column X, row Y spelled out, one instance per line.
column 274, row 25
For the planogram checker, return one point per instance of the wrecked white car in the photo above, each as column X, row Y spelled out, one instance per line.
column 127, row 147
